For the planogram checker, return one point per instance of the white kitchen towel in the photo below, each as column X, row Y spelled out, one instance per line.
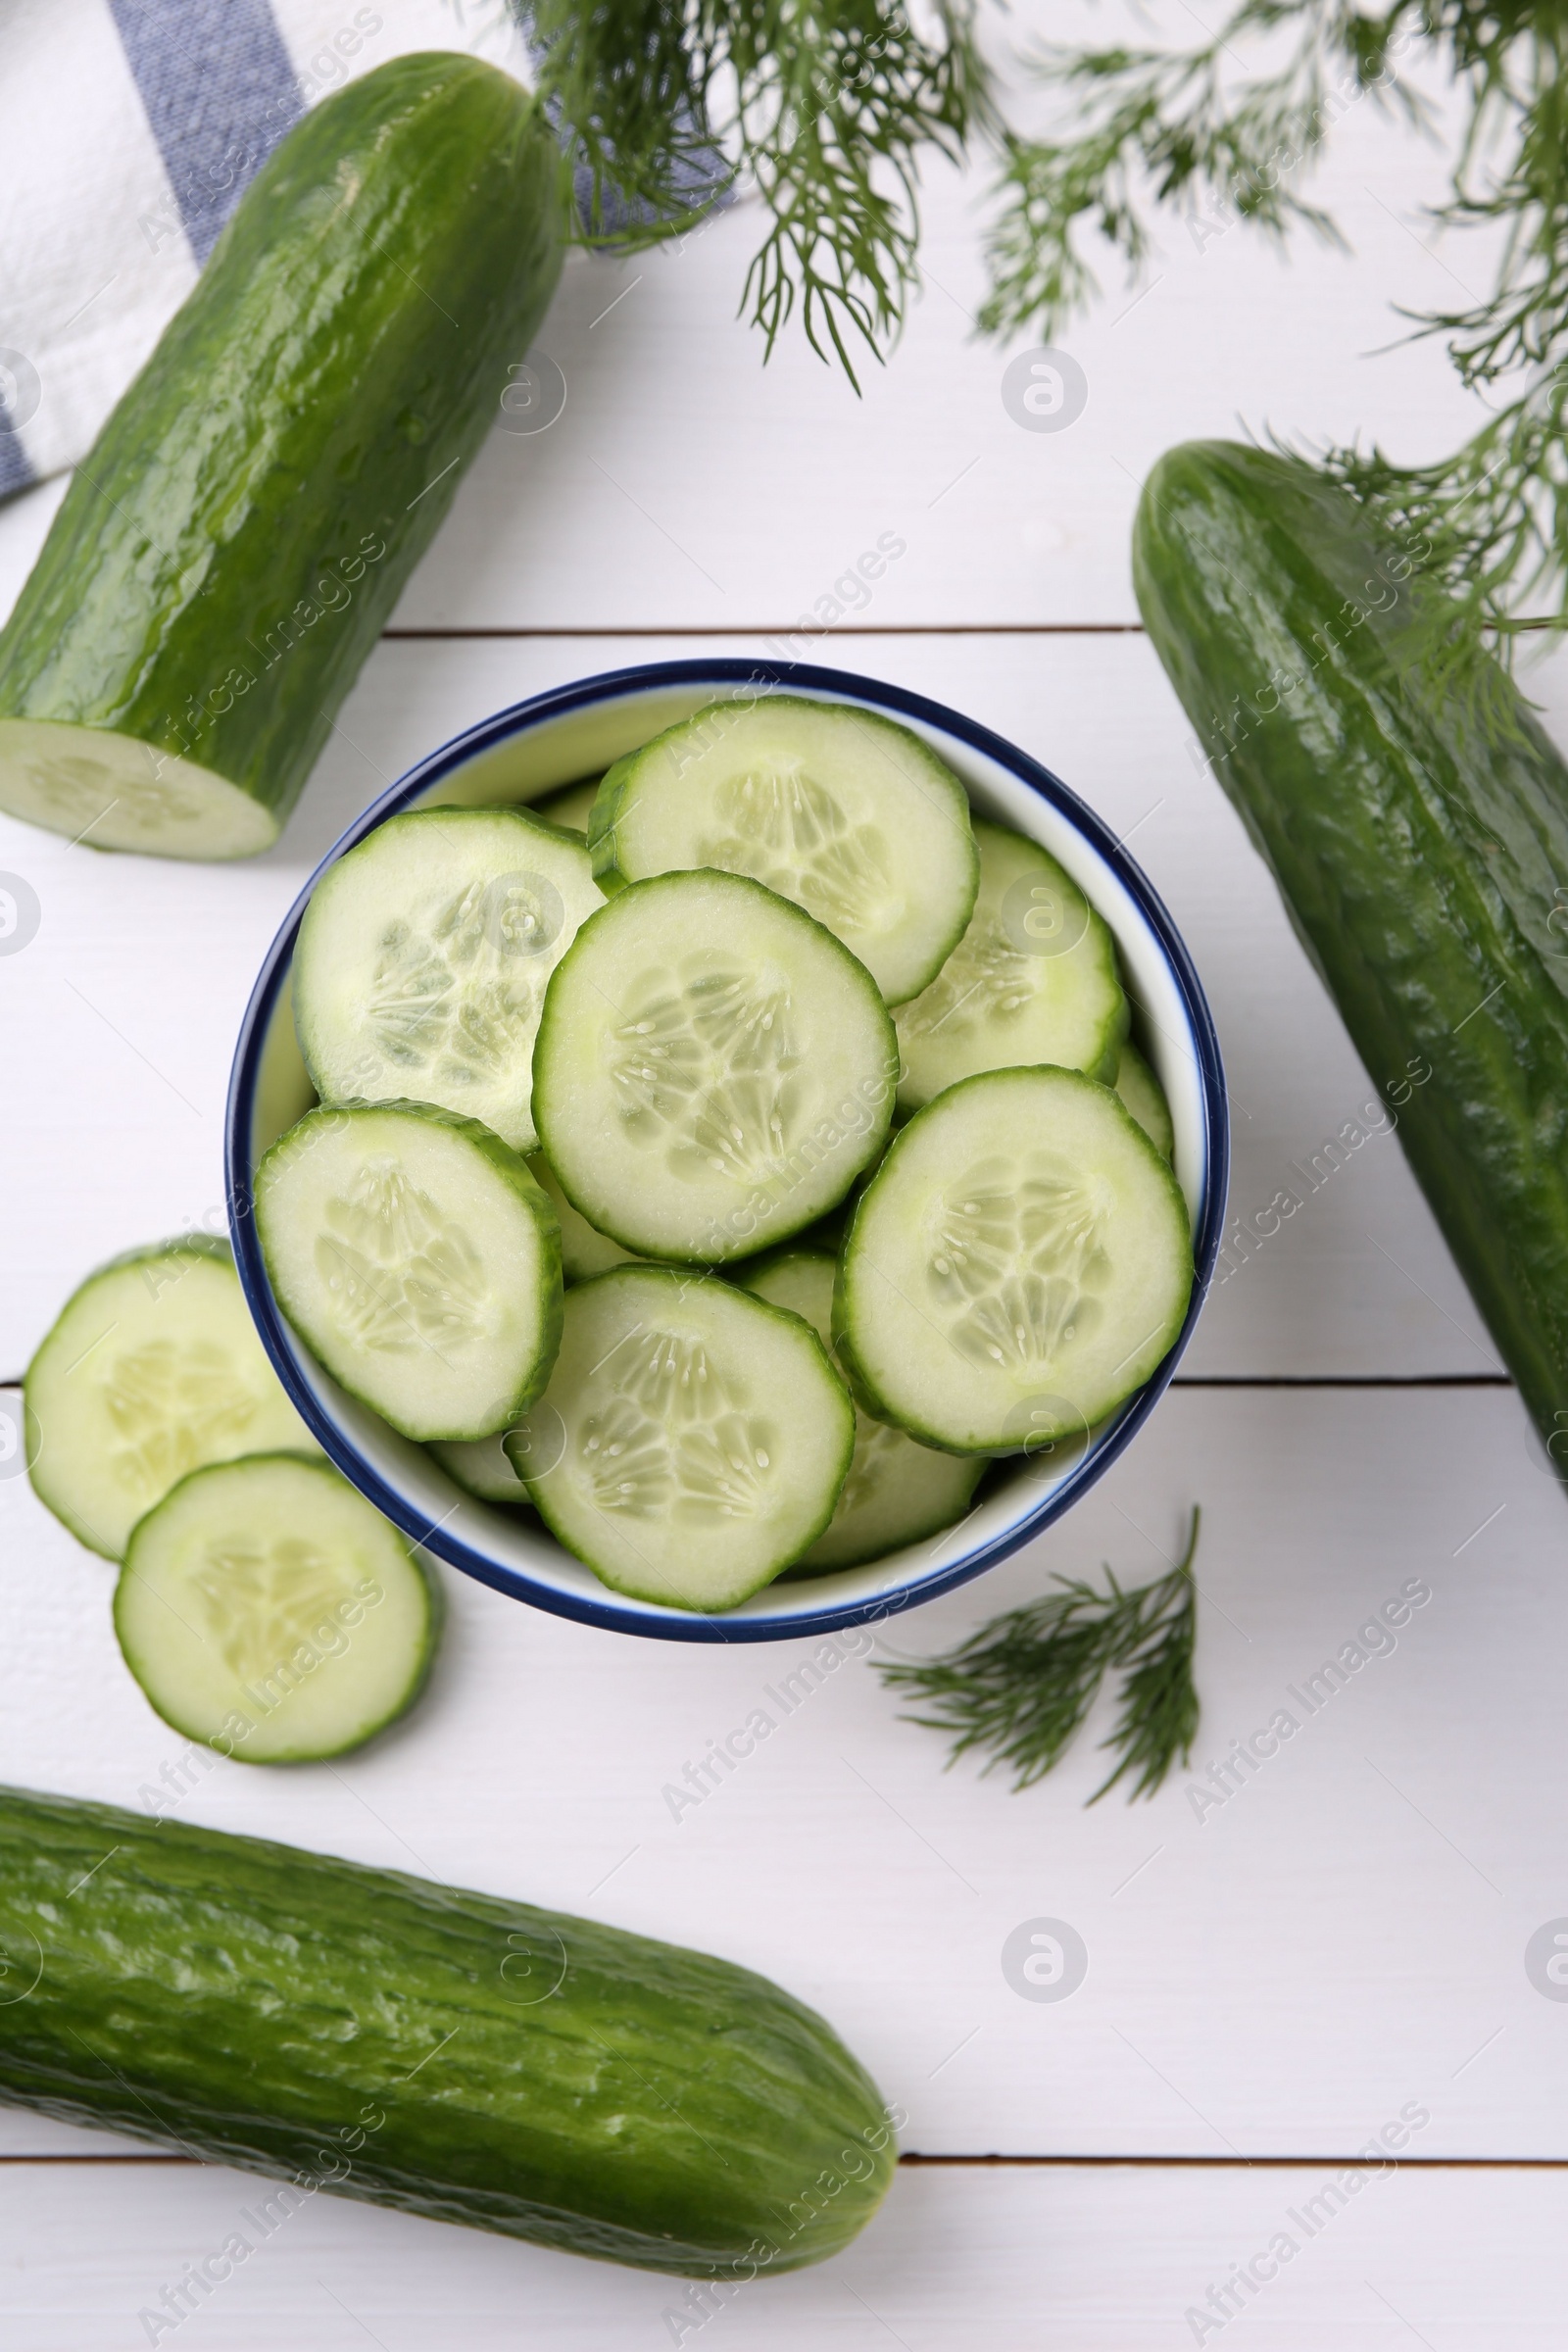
column 129, row 129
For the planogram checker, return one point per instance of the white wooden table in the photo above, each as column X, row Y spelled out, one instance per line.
column 1272, row 1980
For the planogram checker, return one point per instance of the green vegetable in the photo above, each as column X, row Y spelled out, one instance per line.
column 266, row 1604
column 230, row 549
column 1422, row 855
column 450, row 2053
column 151, row 1369
column 1022, row 1686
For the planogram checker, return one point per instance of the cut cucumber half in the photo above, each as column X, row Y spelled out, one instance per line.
column 152, row 1369
column 584, row 1252
column 692, row 1441
column 897, row 1489
column 1145, row 1098
column 1032, row 980
column 416, row 1257
column 851, row 817
column 572, row 806
column 1018, row 1265
column 265, row 1608
column 480, row 1467
column 714, row 1069
column 423, row 956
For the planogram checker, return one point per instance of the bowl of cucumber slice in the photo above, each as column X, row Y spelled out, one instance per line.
column 725, row 1152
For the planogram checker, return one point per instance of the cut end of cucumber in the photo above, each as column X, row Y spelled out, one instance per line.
column 116, row 792
column 265, row 1608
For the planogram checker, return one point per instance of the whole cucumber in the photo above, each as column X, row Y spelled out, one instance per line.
column 230, row 549
column 421, row 2046
column 1420, row 840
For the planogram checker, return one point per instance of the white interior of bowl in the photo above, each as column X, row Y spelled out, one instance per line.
column 560, row 750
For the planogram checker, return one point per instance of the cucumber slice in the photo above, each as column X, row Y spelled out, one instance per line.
column 714, row 1069
column 1145, row 1098
column 584, row 1252
column 1018, row 1265
column 692, row 1441
column 570, row 807
column 1032, row 980
column 152, row 1369
column 266, row 1607
column 897, row 1489
column 851, row 817
column 480, row 1467
column 416, row 1257
column 423, row 956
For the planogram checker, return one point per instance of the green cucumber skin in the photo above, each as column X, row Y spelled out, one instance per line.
column 1420, row 863
column 261, row 2006
column 290, row 423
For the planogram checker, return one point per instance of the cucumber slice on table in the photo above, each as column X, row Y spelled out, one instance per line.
column 897, row 1489
column 1032, row 980
column 1145, row 1098
column 846, row 814
column 714, row 1069
column 692, row 1441
column 570, row 807
column 584, row 1252
column 423, row 958
column 266, row 1607
column 480, row 1467
column 1018, row 1265
column 152, row 1369
column 227, row 552
column 416, row 1257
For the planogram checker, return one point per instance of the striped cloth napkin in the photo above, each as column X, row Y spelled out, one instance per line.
column 130, row 128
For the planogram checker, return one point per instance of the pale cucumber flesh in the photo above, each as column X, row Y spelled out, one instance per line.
column 152, row 1369
column 112, row 792
column 1018, row 1265
column 849, row 815
column 1145, row 1098
column 714, row 1069
column 1032, row 980
column 584, row 1252
column 571, row 806
column 423, row 958
column 266, row 1608
column 417, row 1259
column 480, row 1467
column 897, row 1490
column 692, row 1441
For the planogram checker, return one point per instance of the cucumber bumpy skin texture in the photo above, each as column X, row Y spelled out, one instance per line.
column 266, row 1608
column 417, row 1260
column 151, row 1369
column 1420, row 855
column 421, row 2046
column 226, row 554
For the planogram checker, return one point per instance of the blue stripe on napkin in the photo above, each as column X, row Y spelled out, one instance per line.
column 15, row 471
column 220, row 89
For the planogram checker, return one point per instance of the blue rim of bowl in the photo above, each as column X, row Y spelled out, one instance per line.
column 609, row 685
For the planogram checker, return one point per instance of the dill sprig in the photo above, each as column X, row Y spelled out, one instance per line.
column 1022, row 1686
column 822, row 107
column 1197, row 128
